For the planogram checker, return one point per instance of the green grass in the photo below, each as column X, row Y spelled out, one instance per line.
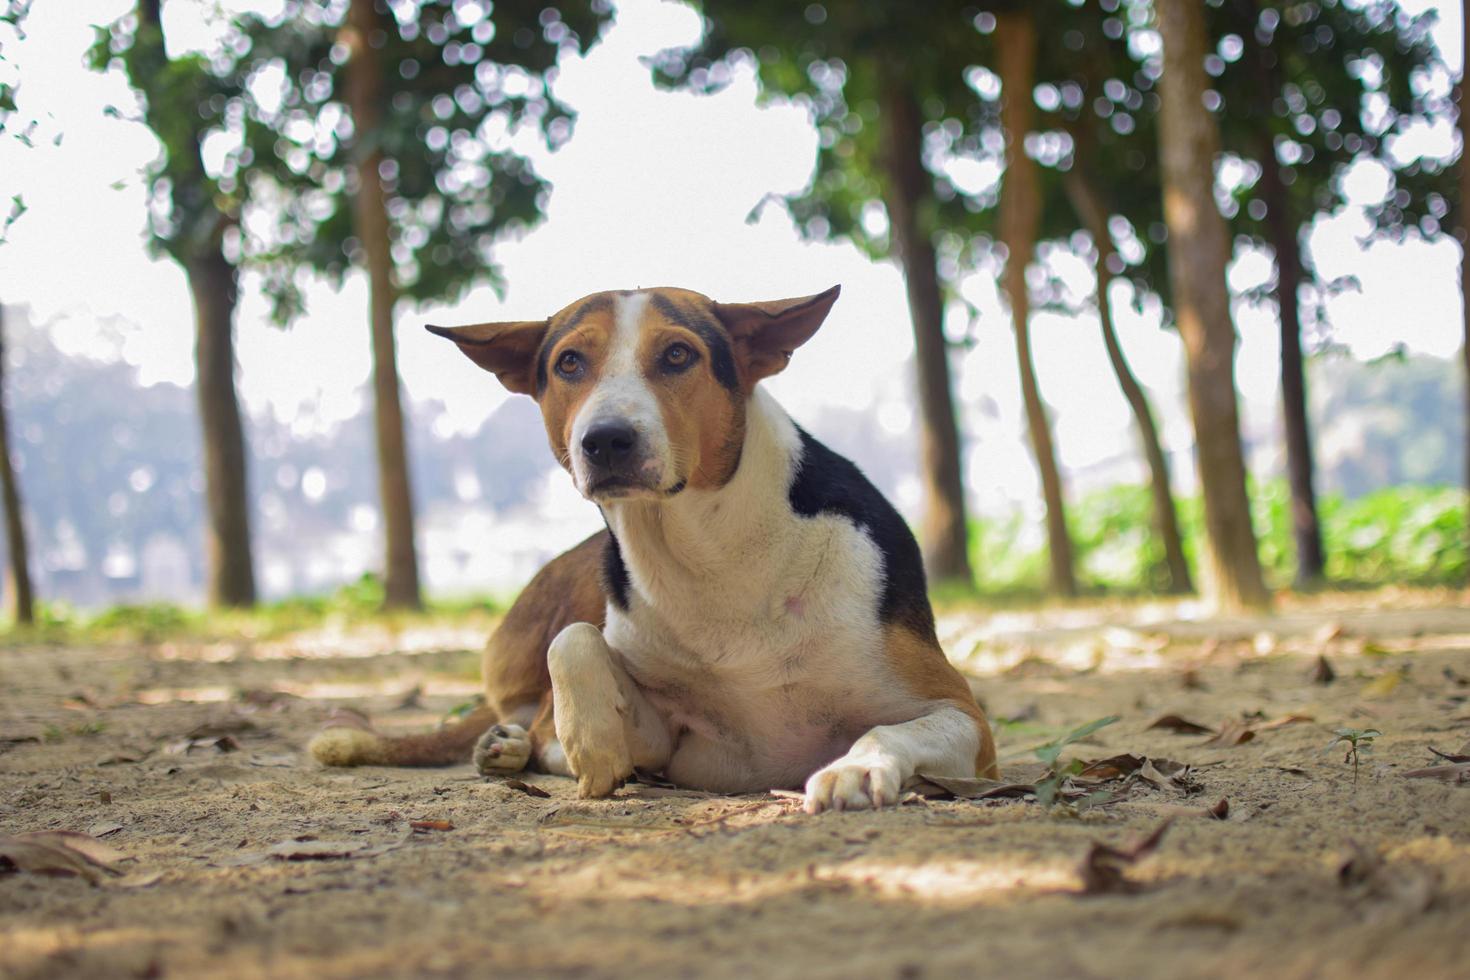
column 357, row 603
column 1408, row 535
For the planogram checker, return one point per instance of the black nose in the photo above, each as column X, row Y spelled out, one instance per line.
column 609, row 443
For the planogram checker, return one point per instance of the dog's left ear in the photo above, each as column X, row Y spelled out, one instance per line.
column 765, row 334
column 507, row 350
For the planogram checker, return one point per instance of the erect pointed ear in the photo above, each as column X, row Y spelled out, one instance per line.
column 765, row 334
column 507, row 350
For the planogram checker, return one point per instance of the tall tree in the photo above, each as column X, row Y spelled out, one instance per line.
column 1463, row 95
column 192, row 215
column 1199, row 248
column 1020, row 222
column 24, row 607
column 1305, row 90
column 395, row 126
column 887, row 93
column 24, row 600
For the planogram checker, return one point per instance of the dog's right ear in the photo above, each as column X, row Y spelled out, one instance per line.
column 507, row 350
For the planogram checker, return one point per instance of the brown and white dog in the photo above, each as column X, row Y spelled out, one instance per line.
column 755, row 614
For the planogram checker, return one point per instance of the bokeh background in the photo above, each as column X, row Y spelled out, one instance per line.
column 652, row 185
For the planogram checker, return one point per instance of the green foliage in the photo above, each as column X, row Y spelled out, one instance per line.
column 842, row 62
column 1406, row 535
column 1051, row 753
column 460, row 82
column 459, row 87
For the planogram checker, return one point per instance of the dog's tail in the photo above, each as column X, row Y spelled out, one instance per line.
column 448, row 746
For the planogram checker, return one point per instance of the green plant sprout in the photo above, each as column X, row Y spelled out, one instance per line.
column 1359, row 742
column 1050, row 785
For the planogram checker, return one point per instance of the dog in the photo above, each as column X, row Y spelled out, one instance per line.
column 755, row 614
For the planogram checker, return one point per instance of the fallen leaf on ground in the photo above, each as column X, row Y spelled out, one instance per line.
column 1458, row 773
column 1462, row 756
column 1282, row 722
column 967, row 789
column 62, row 852
column 103, row 829
column 1322, row 672
column 1103, row 867
column 283, row 761
column 1220, row 811
column 215, row 743
column 140, row 880
column 1232, row 733
column 230, row 725
column 427, row 825
column 1183, row 726
column 522, row 786
column 122, row 758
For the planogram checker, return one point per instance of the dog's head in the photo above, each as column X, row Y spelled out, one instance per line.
column 644, row 391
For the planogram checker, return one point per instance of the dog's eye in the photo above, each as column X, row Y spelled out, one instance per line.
column 569, row 365
column 678, row 357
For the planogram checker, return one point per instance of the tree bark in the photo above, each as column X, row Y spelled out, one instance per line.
column 1285, row 241
column 1199, row 248
column 1093, row 216
column 1020, row 217
column 942, row 528
column 230, row 567
column 1464, row 124
column 24, row 609
column 370, row 219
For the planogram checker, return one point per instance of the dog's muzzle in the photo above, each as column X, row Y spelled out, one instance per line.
column 617, row 463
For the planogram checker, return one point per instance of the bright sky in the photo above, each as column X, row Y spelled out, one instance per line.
column 653, row 189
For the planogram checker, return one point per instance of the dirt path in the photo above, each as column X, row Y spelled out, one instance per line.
column 656, row 883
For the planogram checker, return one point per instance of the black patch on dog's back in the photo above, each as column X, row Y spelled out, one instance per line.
column 827, row 483
column 614, row 572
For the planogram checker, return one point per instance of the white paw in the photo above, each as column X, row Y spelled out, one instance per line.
column 502, row 749
column 600, row 765
column 861, row 783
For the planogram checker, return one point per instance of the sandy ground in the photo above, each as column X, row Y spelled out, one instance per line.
column 256, row 862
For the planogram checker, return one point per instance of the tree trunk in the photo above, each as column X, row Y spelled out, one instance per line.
column 1285, row 241
column 230, row 567
column 1020, row 217
column 1093, row 217
column 942, row 528
column 24, row 610
column 1199, row 248
column 370, row 221
column 1464, row 123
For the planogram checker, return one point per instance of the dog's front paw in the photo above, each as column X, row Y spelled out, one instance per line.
column 854, row 783
column 600, row 767
column 502, row 749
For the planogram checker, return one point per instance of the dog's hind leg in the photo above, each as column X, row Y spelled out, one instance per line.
column 604, row 724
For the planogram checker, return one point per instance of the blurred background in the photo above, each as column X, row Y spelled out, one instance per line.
column 218, row 217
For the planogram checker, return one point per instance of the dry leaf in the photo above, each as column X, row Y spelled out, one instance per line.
column 119, row 758
column 1232, row 733
column 1322, row 672
column 968, row 789
column 314, row 850
column 1457, row 774
column 103, row 829
column 64, row 852
column 427, row 825
column 1282, row 722
column 1183, row 726
column 522, row 786
column 1112, row 768
column 140, row 880
column 1103, row 866
column 216, row 743
column 1220, row 811
column 1462, row 756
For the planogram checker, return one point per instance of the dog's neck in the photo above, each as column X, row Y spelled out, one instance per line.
column 704, row 533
